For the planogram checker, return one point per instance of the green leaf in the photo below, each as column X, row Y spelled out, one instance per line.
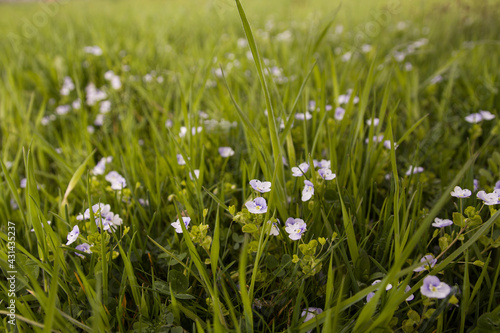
column 250, row 228
column 458, row 219
column 178, row 281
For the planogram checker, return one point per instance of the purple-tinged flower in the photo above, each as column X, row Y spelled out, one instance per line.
column 303, row 116
column 414, row 170
column 440, row 223
column 339, row 113
column 300, row 170
column 310, row 313
column 259, row 186
column 99, row 210
column 428, row 262
column 476, row 184
column 100, row 167
column 487, row 115
column 326, row 174
column 257, row 206
column 322, row 164
column 474, row 118
column 84, row 248
column 111, row 221
column 387, row 144
column 374, row 121
column 497, row 185
column 226, row 151
column 180, row 160
column 177, row 224
column 375, row 139
column 411, row 297
column 63, row 109
column 489, row 198
column 458, row 192
column 22, row 183
column 274, row 228
column 73, row 235
column 117, row 181
column 295, row 228
column 370, row 295
column 434, row 288
column 196, row 174
column 308, row 190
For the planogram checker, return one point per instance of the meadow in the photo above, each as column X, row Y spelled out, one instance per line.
column 250, row 166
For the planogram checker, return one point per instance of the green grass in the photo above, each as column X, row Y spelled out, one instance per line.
column 233, row 61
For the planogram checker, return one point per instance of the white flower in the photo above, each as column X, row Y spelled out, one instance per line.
column 374, row 121
column 414, row 170
column 295, row 228
column 474, row 118
column 257, row 206
column 116, row 180
column 326, row 174
column 439, row 223
column 177, row 224
column 487, row 115
column 77, row 104
column 63, row 109
column 433, row 288
column 105, row 106
column 84, row 248
column 100, row 167
column 73, row 235
column 259, row 186
column 94, row 50
column 308, row 190
column 376, row 139
column 196, row 174
column 339, row 113
column 303, row 116
column 99, row 210
column 370, row 295
column 180, row 160
column 387, row 144
column 300, row 170
column 459, row 193
column 489, row 198
column 226, row 151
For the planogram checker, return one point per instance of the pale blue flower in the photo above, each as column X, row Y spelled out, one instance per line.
column 73, row 235
column 439, row 223
column 259, row 186
column 326, row 174
column 434, row 288
column 257, row 206
column 300, row 170
column 308, row 190
column 84, row 248
column 428, row 262
column 177, row 224
column 226, row 151
column 295, row 228
column 458, row 192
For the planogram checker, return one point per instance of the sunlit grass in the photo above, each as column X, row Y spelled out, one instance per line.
column 376, row 92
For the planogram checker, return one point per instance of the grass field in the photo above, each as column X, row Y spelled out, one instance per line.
column 120, row 120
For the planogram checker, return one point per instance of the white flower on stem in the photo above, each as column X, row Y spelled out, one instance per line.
column 73, row 235
column 300, row 170
column 177, row 224
column 326, row 174
column 117, row 181
column 458, row 192
column 295, row 228
column 308, row 190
